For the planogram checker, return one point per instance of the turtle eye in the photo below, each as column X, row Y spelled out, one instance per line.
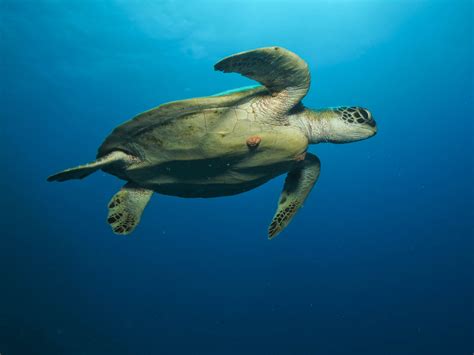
column 364, row 113
column 364, row 116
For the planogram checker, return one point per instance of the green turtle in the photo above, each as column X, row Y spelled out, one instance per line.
column 227, row 143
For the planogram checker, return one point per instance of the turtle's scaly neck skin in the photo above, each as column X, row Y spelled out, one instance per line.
column 335, row 125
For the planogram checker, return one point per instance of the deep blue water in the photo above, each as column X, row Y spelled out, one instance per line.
column 379, row 261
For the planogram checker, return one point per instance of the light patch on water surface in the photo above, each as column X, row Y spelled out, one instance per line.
column 332, row 31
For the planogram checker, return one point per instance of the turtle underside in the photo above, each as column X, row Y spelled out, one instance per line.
column 198, row 147
column 221, row 145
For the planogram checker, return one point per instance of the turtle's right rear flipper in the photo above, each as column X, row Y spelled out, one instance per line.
column 81, row 171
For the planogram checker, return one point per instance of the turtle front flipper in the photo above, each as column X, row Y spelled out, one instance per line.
column 282, row 72
column 298, row 184
column 126, row 208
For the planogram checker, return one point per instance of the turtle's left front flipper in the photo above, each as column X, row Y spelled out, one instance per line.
column 298, row 184
column 126, row 208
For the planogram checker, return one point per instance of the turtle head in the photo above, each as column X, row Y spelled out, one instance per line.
column 341, row 125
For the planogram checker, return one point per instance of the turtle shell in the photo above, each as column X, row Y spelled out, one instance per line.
column 199, row 147
column 123, row 136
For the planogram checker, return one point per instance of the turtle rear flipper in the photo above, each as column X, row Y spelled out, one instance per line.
column 81, row 171
column 126, row 208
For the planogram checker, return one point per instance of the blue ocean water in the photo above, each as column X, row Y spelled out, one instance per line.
column 379, row 261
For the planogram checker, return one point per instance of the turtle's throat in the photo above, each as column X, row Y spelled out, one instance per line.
column 315, row 124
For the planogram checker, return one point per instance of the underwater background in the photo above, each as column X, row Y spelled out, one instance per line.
column 379, row 261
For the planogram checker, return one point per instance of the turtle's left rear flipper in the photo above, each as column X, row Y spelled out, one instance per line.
column 126, row 208
column 81, row 171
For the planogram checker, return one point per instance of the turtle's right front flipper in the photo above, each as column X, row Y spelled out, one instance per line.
column 282, row 72
column 81, row 171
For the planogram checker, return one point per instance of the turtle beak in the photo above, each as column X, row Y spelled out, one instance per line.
column 374, row 130
column 369, row 131
column 372, row 126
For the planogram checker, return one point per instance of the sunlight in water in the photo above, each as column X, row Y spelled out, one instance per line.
column 335, row 30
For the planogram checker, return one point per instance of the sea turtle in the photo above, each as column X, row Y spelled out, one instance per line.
column 227, row 143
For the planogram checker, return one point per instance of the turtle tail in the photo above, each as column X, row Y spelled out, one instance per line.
column 81, row 171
